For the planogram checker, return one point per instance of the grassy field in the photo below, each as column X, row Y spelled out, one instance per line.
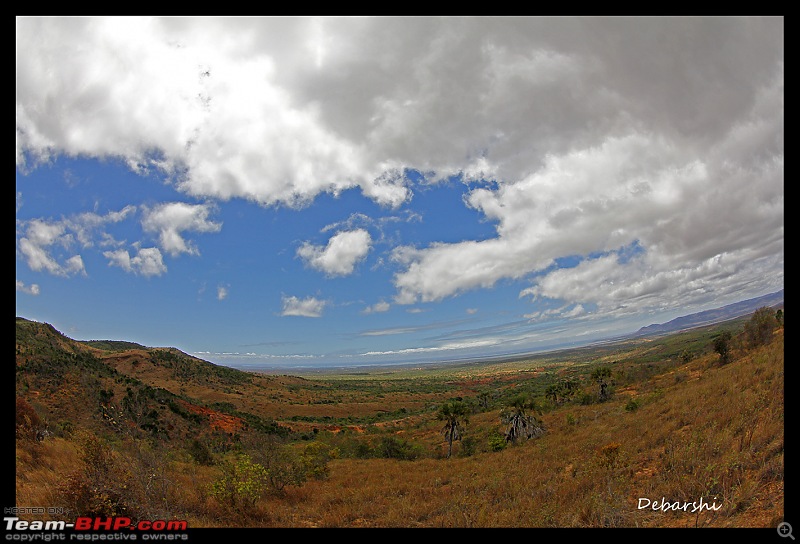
column 156, row 434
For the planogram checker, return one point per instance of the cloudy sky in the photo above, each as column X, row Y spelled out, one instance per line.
column 342, row 190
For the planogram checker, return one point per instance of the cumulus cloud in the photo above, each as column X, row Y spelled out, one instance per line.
column 343, row 251
column 222, row 292
column 378, row 307
column 307, row 307
column 170, row 220
column 579, row 136
column 147, row 261
column 211, row 103
column 46, row 245
column 41, row 238
column 32, row 289
column 686, row 211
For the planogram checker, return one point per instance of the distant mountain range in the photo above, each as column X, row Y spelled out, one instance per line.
column 716, row 315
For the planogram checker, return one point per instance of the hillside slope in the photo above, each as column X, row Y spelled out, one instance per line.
column 153, row 432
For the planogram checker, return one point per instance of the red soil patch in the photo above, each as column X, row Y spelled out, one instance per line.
column 217, row 420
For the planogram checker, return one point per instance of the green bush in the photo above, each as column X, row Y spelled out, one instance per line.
column 758, row 330
column 392, row 447
column 242, row 483
column 200, row 453
column 469, row 446
column 315, row 457
column 722, row 346
column 497, row 441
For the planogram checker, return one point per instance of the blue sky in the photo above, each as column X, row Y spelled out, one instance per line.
column 272, row 192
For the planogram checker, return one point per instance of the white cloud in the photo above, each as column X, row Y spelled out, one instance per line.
column 445, row 347
column 660, row 137
column 339, row 258
column 210, row 97
column 685, row 211
column 222, row 292
column 35, row 246
column 147, row 262
column 648, row 281
column 85, row 224
column 307, row 307
column 74, row 265
column 32, row 289
column 120, row 258
column 378, row 307
column 42, row 238
column 170, row 220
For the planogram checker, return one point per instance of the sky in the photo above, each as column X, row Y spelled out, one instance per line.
column 292, row 192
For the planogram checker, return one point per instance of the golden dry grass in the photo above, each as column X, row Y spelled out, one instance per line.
column 700, row 430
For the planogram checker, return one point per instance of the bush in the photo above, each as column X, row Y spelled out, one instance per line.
column 722, row 346
column 104, row 488
column 200, row 453
column 392, row 447
column 497, row 441
column 315, row 457
column 242, row 483
column 469, row 446
column 28, row 422
column 758, row 330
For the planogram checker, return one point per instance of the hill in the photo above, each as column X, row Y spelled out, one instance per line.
column 154, row 433
column 716, row 315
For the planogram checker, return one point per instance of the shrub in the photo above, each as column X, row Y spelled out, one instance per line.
column 104, row 488
column 200, row 453
column 722, row 346
column 758, row 329
column 392, row 447
column 469, row 445
column 28, row 422
column 242, row 483
column 609, row 454
column 315, row 457
column 497, row 441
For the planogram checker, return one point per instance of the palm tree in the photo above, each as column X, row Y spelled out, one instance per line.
column 522, row 423
column 455, row 415
column 602, row 375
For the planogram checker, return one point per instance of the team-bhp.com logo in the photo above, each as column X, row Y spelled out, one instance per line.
column 151, row 529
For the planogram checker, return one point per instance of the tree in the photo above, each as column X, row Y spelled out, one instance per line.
column 722, row 346
column 562, row 391
column 602, row 375
column 758, row 329
column 552, row 392
column 455, row 415
column 521, row 420
column 779, row 317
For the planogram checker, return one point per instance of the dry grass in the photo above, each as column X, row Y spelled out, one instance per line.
column 700, row 431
